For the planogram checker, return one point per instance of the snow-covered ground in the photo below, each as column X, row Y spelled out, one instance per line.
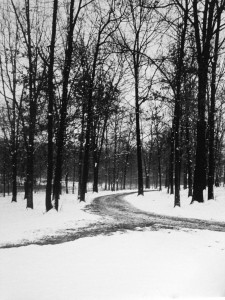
column 163, row 203
column 132, row 265
column 18, row 223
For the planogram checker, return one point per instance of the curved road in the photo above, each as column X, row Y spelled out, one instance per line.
column 118, row 215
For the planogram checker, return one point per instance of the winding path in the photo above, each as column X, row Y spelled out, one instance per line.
column 118, row 215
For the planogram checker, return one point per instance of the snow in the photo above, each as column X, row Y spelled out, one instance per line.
column 163, row 203
column 18, row 223
column 132, row 265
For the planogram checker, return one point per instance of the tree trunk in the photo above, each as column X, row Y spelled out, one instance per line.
column 125, row 171
column 114, row 159
column 159, row 168
column 85, row 164
column 14, row 163
column 14, row 136
column 200, row 166
column 177, row 152
column 106, row 164
column 4, row 175
column 147, row 169
column 211, row 120
column 66, row 182
column 74, row 172
column 171, row 167
column 189, row 158
column 81, row 150
column 177, row 110
column 32, row 117
column 97, row 151
column 160, row 175
column 147, row 181
column 185, row 182
column 138, row 131
column 48, row 200
column 200, row 159
column 95, row 182
column 63, row 109
column 203, row 56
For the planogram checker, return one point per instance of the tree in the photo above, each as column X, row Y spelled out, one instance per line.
column 33, row 75
column 205, row 17
column 211, row 119
column 182, row 28
column 106, row 24
column 203, row 36
column 104, row 103
column 72, row 21
column 139, row 23
column 48, row 199
column 10, row 37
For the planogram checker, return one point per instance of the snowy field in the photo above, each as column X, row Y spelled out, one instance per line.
column 131, row 265
column 163, row 203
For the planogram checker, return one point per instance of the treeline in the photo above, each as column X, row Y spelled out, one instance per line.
column 119, row 94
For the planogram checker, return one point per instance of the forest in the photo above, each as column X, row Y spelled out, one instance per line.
column 111, row 95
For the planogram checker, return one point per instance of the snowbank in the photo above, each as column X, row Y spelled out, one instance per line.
column 163, row 203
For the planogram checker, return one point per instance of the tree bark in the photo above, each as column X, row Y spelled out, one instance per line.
column 66, row 182
column 14, row 153
column 48, row 203
column 177, row 110
column 138, row 131
column 203, row 53
column 189, row 158
column 63, row 109
column 211, row 120
column 171, row 167
column 85, row 164
column 200, row 158
column 97, row 151
column 32, row 118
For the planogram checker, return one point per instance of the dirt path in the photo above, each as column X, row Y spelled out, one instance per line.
column 118, row 215
column 125, row 214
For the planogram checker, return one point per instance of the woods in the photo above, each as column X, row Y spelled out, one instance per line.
column 111, row 95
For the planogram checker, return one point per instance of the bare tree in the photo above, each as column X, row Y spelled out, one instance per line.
column 106, row 24
column 220, row 6
column 31, row 26
column 51, row 97
column 203, row 36
column 136, row 33
column 11, row 89
column 72, row 21
column 182, row 29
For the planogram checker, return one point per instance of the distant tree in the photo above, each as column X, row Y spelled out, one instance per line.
column 33, row 79
column 11, row 89
column 5, row 152
column 142, row 31
column 104, row 103
column 105, row 24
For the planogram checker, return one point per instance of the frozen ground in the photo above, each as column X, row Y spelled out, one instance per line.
column 131, row 265
column 163, row 203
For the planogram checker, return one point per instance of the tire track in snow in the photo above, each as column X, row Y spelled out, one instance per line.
column 117, row 215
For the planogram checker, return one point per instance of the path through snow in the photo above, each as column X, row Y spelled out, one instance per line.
column 117, row 215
